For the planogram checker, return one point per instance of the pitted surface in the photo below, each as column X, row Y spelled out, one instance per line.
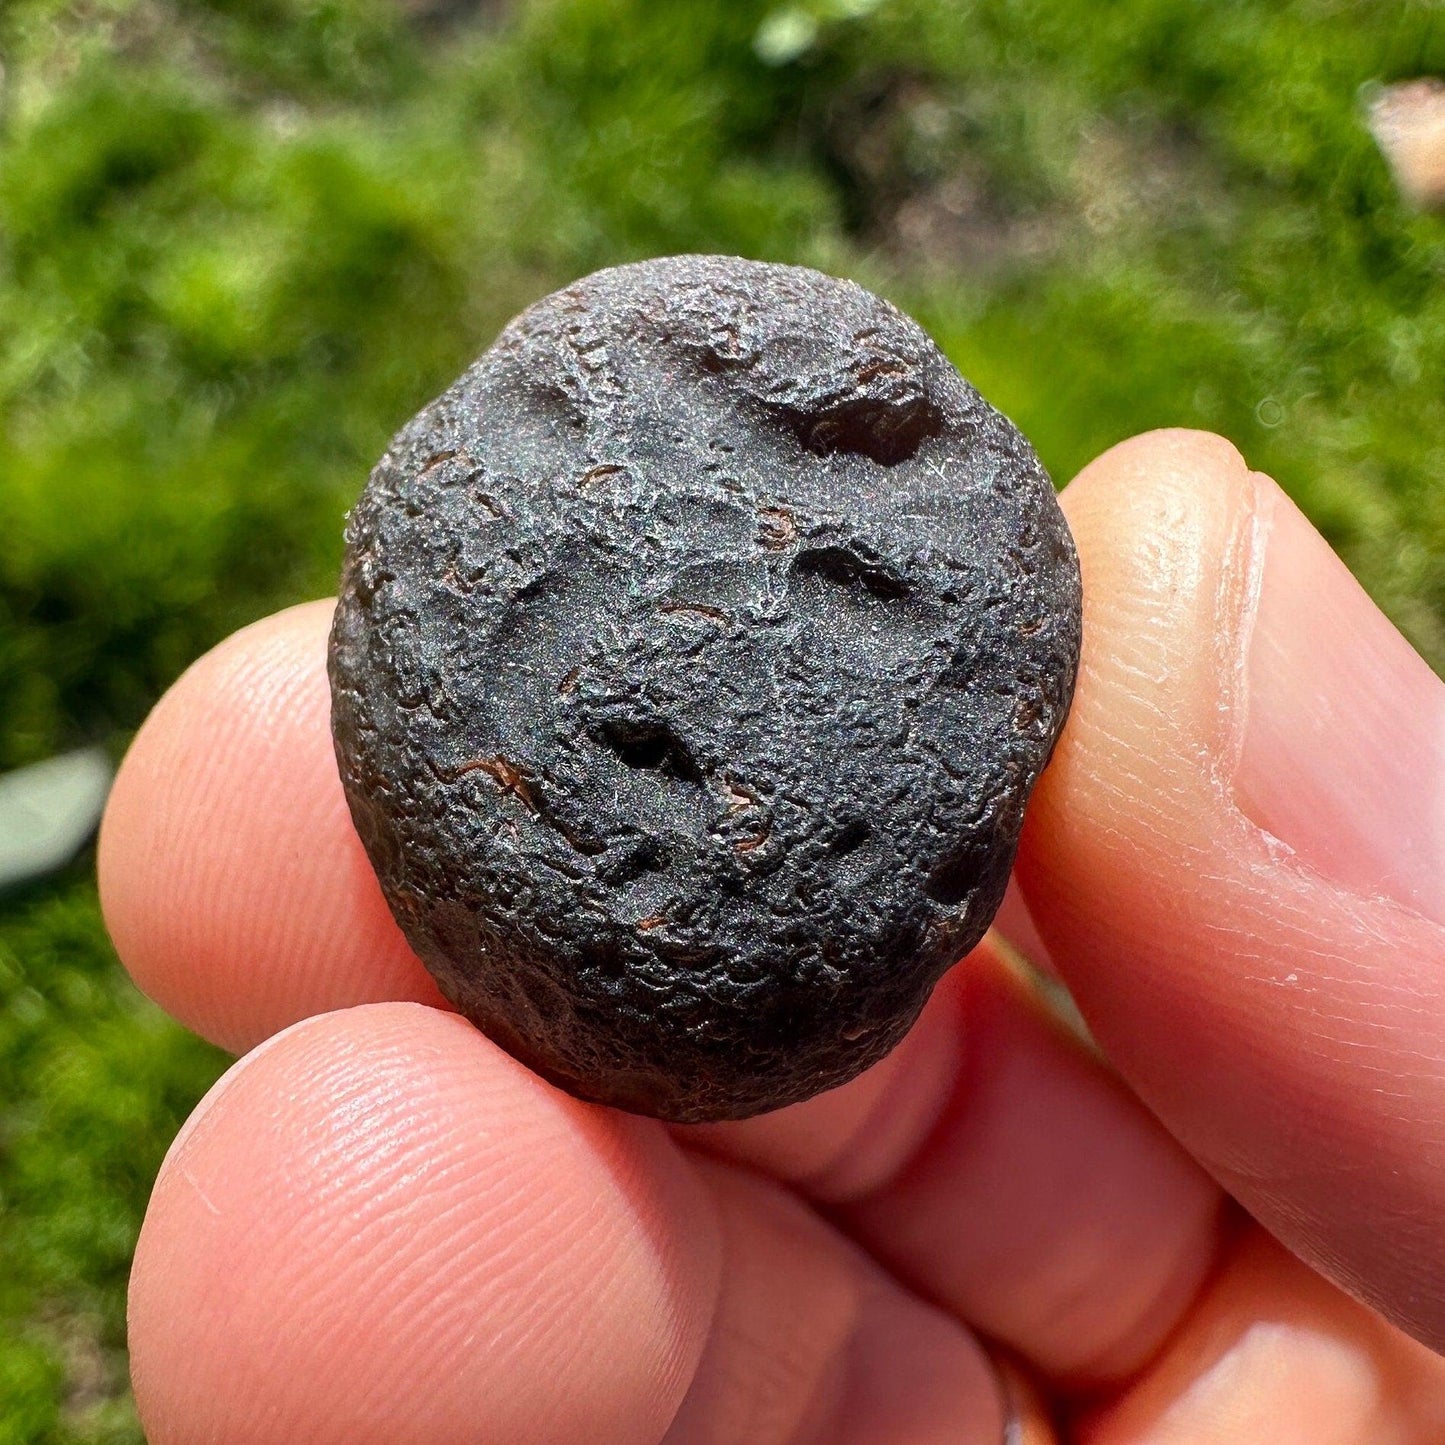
column 696, row 655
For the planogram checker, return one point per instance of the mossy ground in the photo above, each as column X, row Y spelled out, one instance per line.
column 241, row 240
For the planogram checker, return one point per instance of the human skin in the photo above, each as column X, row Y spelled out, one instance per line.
column 380, row 1228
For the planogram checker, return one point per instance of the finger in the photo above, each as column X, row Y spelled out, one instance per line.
column 234, row 885
column 1235, row 861
column 812, row 1342
column 996, row 1166
column 1275, row 1353
column 380, row 1228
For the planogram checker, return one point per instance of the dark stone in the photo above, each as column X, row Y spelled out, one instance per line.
column 697, row 652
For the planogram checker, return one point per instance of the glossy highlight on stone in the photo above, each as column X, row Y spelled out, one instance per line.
column 697, row 652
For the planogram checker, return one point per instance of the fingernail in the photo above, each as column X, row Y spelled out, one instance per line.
column 1026, row 1420
column 1342, row 755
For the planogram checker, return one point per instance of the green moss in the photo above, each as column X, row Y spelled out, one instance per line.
column 96, row 1081
column 240, row 242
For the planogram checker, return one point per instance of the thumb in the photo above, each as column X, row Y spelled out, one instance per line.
column 1237, row 861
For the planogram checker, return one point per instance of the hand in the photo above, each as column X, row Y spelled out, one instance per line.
column 379, row 1228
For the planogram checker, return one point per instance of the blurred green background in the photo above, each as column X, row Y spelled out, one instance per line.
column 242, row 240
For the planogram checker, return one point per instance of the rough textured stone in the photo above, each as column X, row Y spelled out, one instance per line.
column 697, row 652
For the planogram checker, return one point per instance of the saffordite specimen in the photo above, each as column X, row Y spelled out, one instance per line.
column 696, row 654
